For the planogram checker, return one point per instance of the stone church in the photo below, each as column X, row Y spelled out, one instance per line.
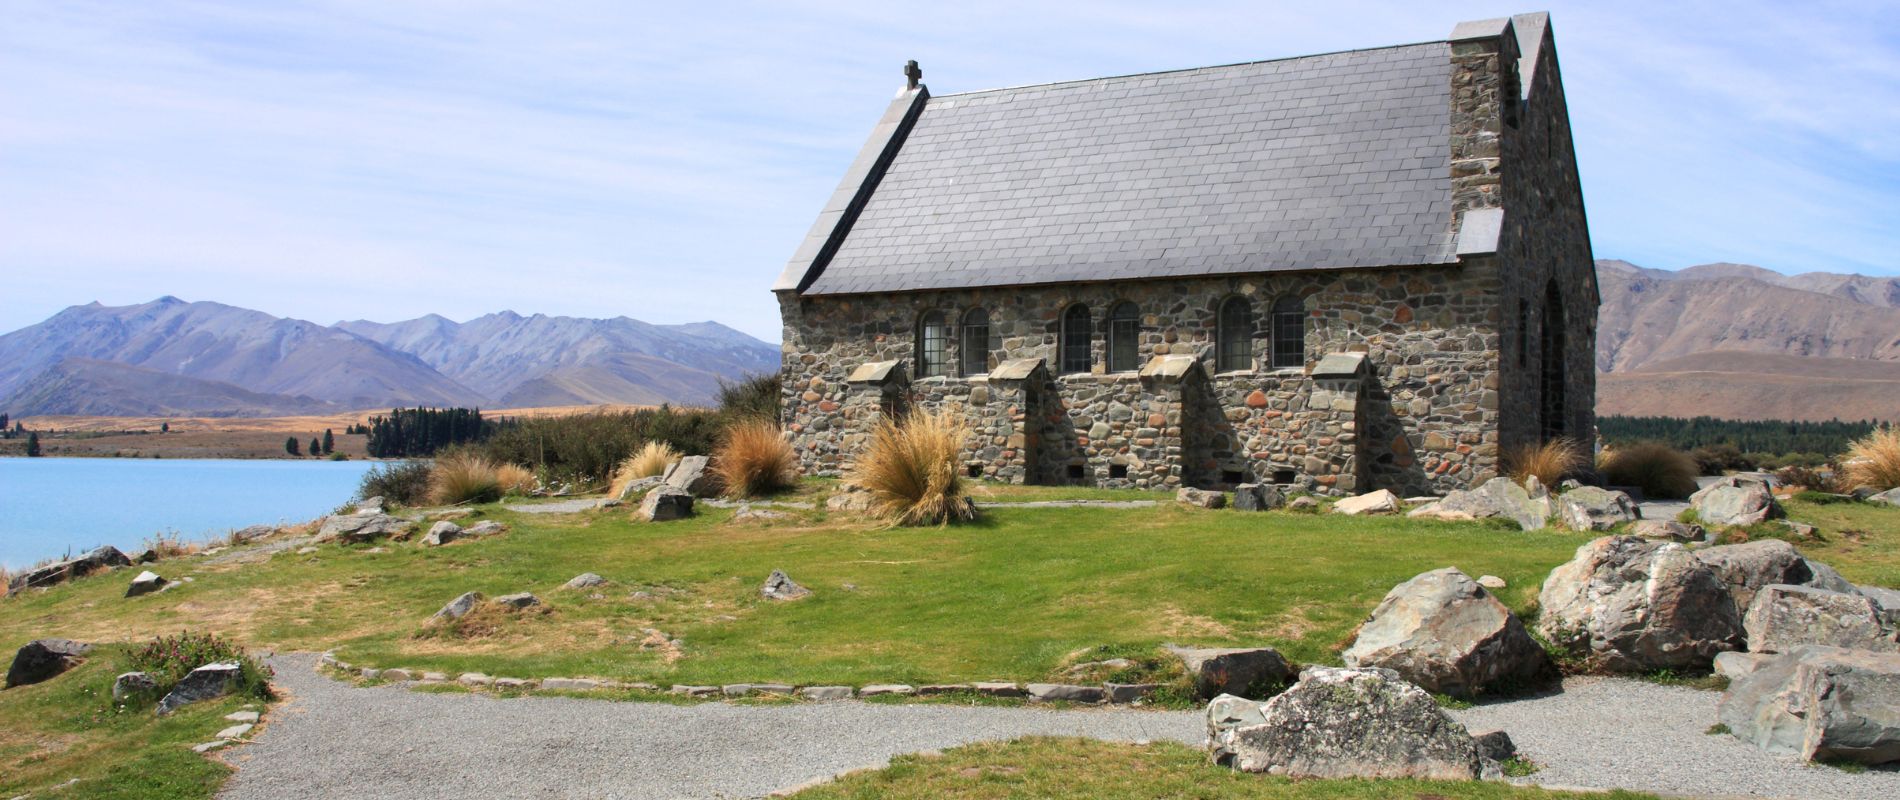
column 1342, row 272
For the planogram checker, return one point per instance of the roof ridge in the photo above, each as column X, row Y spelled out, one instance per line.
column 953, row 95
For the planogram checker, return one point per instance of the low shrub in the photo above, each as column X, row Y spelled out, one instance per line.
column 650, row 461
column 753, row 458
column 1874, row 459
column 515, row 479
column 911, row 469
column 1549, row 462
column 1717, row 459
column 1658, row 469
column 1807, row 479
column 403, row 483
column 755, row 398
column 464, row 476
column 586, row 449
column 168, row 659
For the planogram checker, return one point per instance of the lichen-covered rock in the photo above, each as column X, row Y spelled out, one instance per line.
column 487, row 527
column 1231, row 670
column 585, row 580
column 1667, row 530
column 1495, row 498
column 1592, row 509
column 1200, row 498
column 360, row 527
column 1735, row 501
column 133, row 684
column 778, row 586
column 691, row 474
column 1444, row 632
column 1736, row 665
column 1258, row 497
column 1746, row 568
column 518, row 601
column 460, row 606
column 204, row 683
column 43, row 659
column 665, row 503
column 1345, row 723
column 637, row 486
column 1783, row 618
column 94, row 561
column 1380, row 502
column 1820, row 703
column 442, row 533
column 1638, row 605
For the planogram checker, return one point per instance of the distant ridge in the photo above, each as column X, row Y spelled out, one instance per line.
column 209, row 359
column 1745, row 342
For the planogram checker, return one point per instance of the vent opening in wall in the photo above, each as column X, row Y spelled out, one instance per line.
column 1118, row 471
column 974, row 470
column 1075, row 472
column 1283, row 476
column 1232, row 477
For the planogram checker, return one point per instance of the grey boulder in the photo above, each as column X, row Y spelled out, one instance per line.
column 97, row 560
column 1735, row 501
column 442, row 533
column 486, row 527
column 147, row 582
column 1382, row 501
column 1200, row 498
column 518, row 601
column 204, row 683
column 1589, row 508
column 585, row 580
column 133, row 684
column 359, row 528
column 1890, row 497
column 1495, row 498
column 1444, row 632
column 663, row 504
column 1258, row 497
column 690, row 475
column 779, row 586
column 1345, row 723
column 1783, row 618
column 1821, row 704
column 1231, row 670
column 635, row 487
column 1667, row 530
column 1746, row 568
column 460, row 606
column 1634, row 605
column 44, row 659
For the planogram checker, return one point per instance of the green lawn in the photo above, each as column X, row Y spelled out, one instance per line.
column 1084, row 769
column 67, row 728
column 1007, row 598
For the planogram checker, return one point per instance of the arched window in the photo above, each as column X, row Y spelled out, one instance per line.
column 1289, row 332
column 1233, row 341
column 1076, row 323
column 1124, row 337
column 931, row 337
column 976, row 342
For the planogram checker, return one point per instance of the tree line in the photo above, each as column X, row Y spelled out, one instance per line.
column 420, row 432
column 1775, row 437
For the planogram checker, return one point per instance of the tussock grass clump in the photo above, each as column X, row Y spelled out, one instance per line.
column 1874, row 459
column 515, row 479
column 170, row 544
column 650, row 461
column 404, row 483
column 1550, row 462
column 464, row 477
column 911, row 469
column 6, row 579
column 1658, row 469
column 753, row 458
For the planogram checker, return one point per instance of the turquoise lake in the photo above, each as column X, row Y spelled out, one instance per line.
column 50, row 506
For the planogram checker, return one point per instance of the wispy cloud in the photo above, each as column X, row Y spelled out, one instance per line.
column 381, row 160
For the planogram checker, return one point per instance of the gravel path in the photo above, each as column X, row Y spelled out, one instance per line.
column 332, row 740
column 1616, row 733
column 556, row 507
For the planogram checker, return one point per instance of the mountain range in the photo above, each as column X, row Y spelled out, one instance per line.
column 1744, row 342
column 171, row 357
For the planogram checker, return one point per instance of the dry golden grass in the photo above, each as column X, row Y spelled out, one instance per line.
column 650, row 461
column 464, row 477
column 170, row 545
column 911, row 469
column 1658, row 469
column 6, row 578
column 753, row 458
column 1549, row 462
column 515, row 479
column 1874, row 460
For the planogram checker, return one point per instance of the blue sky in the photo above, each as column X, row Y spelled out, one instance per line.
column 385, row 159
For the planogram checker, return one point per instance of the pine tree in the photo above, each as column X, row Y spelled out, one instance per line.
column 329, row 442
column 164, row 427
column 290, row 446
column 33, row 445
column 3, row 422
column 316, row 447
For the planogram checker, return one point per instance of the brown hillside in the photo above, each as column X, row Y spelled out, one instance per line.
column 1737, row 385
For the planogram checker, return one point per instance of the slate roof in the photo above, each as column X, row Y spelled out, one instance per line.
column 1327, row 161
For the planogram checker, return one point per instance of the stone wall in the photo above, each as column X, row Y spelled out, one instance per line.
column 1424, row 420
